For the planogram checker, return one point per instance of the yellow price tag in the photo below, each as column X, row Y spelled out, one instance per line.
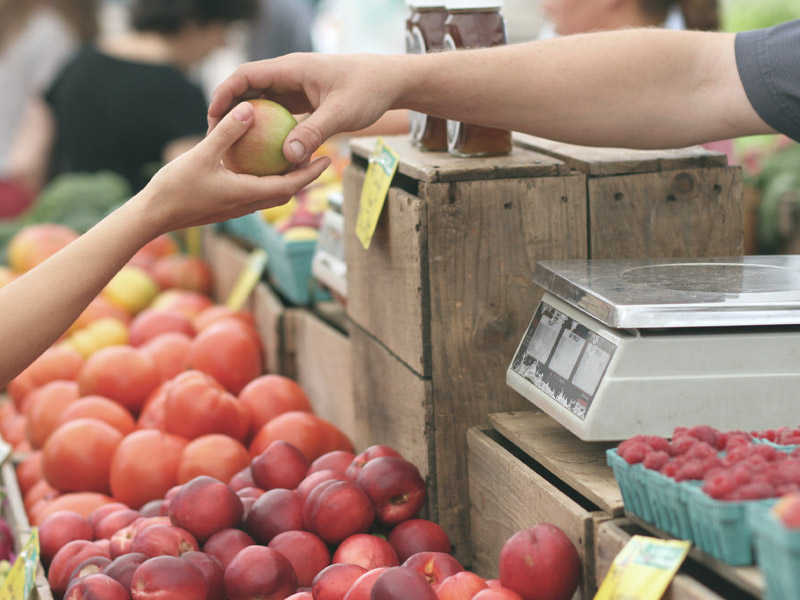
column 247, row 280
column 643, row 569
column 22, row 577
column 194, row 241
column 382, row 166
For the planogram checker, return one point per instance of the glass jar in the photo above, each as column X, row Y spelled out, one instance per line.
column 475, row 24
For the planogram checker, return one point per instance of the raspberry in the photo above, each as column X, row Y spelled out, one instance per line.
column 658, row 443
column 704, row 433
column 669, row 469
column 656, row 460
column 633, row 452
column 741, row 474
column 679, row 431
column 691, row 470
column 701, row 450
column 720, row 485
column 711, row 462
column 756, row 490
column 736, row 454
column 764, row 451
column 786, row 488
column 682, row 444
column 736, row 439
column 787, row 471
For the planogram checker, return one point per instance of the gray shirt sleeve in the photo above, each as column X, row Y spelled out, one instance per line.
column 769, row 66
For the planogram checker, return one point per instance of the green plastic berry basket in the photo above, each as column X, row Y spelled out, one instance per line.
column 721, row 528
column 633, row 485
column 289, row 263
column 777, row 550
column 670, row 504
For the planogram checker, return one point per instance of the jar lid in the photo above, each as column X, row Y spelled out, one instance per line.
column 472, row 4
column 426, row 3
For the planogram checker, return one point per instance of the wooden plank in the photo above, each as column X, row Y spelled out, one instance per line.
column 581, row 465
column 323, row 359
column 387, row 287
column 602, row 162
column 506, row 496
column 393, row 405
column 611, row 537
column 440, row 166
column 484, row 238
column 693, row 212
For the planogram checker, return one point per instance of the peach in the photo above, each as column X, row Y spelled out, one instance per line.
column 121, row 541
column 434, row 566
column 498, row 593
column 338, row 461
column 123, row 567
column 314, row 479
column 281, row 465
column 226, row 544
column 368, row 551
column 461, row 586
column 362, row 587
column 274, row 512
column 99, row 513
column 250, row 492
column 212, row 570
column 340, row 510
column 399, row 583
column 163, row 540
column 259, row 573
column 301, row 596
column 418, row 535
column 540, row 563
column 367, row 455
column 204, row 506
column 66, row 559
column 395, row 488
column 306, row 551
column 242, row 479
column 96, row 587
column 112, row 523
column 154, row 508
column 60, row 528
column 333, row 582
column 168, row 577
column 90, row 566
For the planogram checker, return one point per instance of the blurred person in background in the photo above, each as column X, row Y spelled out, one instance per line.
column 37, row 37
column 127, row 104
column 281, row 27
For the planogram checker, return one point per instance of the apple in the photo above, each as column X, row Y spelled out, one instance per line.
column 497, row 593
column 314, row 479
column 434, row 566
column 204, row 506
column 333, row 582
column 260, row 150
column 66, row 559
column 395, row 488
column 58, row 529
column 400, row 583
column 212, row 570
column 96, row 587
column 274, row 512
column 362, row 587
column 540, row 563
column 367, row 455
column 460, row 586
column 90, row 566
column 281, row 465
column 226, row 544
column 110, row 524
column 168, row 577
column 368, row 551
column 123, row 567
column 163, row 540
column 337, row 460
column 305, row 550
column 340, row 510
column 242, row 479
column 418, row 535
column 259, row 573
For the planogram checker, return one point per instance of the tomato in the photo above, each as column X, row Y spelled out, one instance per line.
column 271, row 395
column 29, row 471
column 153, row 321
column 189, row 303
column 41, row 490
column 145, row 466
column 216, row 455
column 121, row 373
column 219, row 311
column 182, row 271
column 102, row 409
column 170, row 352
column 99, row 308
column 153, row 415
column 197, row 405
column 43, row 407
column 35, row 243
column 312, row 435
column 226, row 351
column 19, row 387
column 77, row 456
column 14, row 429
column 83, row 503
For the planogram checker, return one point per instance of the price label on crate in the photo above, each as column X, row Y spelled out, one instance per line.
column 248, row 279
column 22, row 577
column 643, row 569
column 382, row 167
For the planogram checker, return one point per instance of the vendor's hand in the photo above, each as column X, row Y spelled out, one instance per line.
column 341, row 93
column 196, row 189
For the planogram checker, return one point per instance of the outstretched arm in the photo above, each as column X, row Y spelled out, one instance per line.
column 194, row 189
column 638, row 88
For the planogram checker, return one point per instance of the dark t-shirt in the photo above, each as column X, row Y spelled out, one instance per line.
column 769, row 65
column 119, row 115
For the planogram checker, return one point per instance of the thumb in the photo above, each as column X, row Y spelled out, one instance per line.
column 230, row 128
column 309, row 134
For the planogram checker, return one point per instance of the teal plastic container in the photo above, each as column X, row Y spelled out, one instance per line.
column 289, row 263
column 633, row 483
column 670, row 504
column 777, row 551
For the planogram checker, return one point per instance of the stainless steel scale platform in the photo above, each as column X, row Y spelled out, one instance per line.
column 621, row 347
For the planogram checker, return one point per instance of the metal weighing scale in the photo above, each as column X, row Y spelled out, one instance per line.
column 624, row 347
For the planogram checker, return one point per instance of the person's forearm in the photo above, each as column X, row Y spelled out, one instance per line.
column 633, row 88
column 39, row 306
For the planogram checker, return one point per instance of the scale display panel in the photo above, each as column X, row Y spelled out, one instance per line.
column 563, row 358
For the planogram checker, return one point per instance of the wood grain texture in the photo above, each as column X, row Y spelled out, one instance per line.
column 387, row 284
column 507, row 496
column 324, row 370
column 581, row 465
column 484, row 238
column 440, row 166
column 692, row 212
column 611, row 536
column 270, row 316
column 601, row 162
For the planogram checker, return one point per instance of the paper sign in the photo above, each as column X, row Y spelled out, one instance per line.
column 643, row 569
column 22, row 577
column 382, row 166
column 247, row 280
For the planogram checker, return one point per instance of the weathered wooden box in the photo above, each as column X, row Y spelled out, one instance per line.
column 443, row 295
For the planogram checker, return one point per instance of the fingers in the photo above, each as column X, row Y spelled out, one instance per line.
column 230, row 129
column 309, row 133
column 269, row 188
